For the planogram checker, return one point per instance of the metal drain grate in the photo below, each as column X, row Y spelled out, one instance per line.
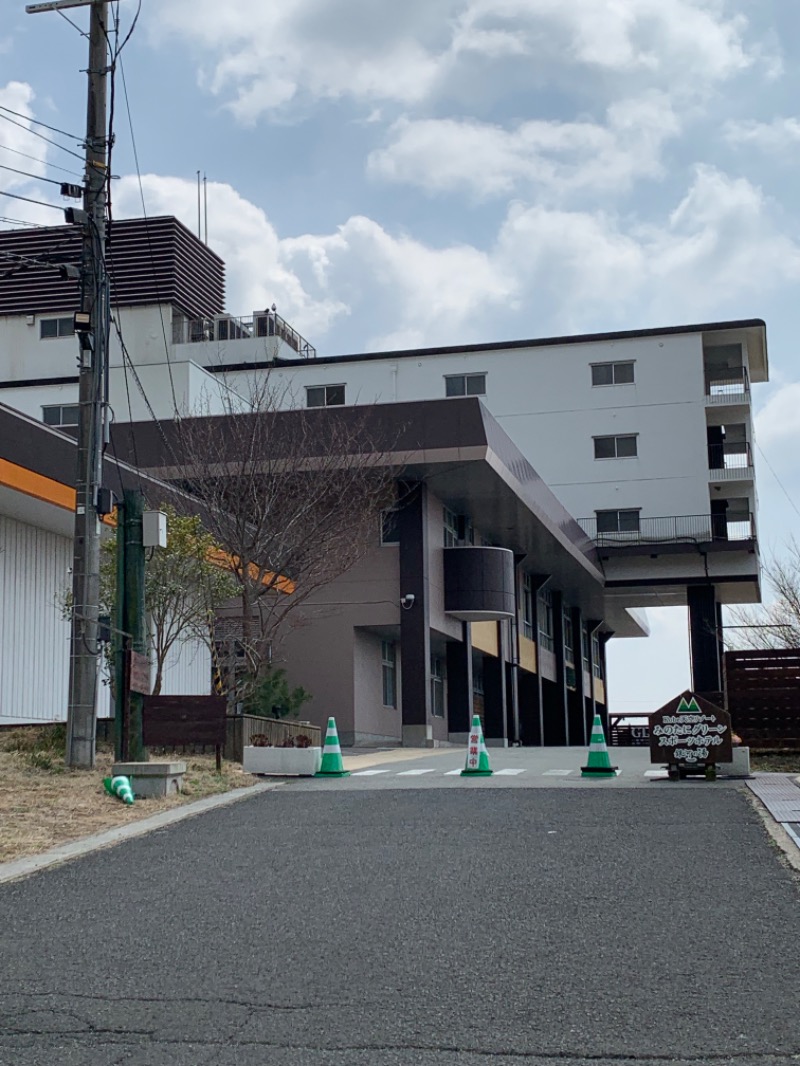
column 780, row 795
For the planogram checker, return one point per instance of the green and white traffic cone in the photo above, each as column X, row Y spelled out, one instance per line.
column 332, row 765
column 120, row 787
column 477, row 756
column 598, row 763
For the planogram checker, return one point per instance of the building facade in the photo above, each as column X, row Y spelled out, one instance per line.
column 644, row 438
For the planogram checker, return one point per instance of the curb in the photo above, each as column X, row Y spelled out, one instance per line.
column 75, row 849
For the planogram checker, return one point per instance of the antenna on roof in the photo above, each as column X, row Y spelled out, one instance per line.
column 205, row 208
column 199, row 231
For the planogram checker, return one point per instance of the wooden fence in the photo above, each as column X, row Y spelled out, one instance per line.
column 242, row 727
column 763, row 696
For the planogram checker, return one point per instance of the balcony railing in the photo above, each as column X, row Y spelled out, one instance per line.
column 731, row 385
column 224, row 328
column 730, row 461
column 675, row 529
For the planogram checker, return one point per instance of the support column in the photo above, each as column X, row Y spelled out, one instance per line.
column 592, row 625
column 415, row 632
column 494, row 696
column 459, row 686
column 604, row 639
column 704, row 640
column 575, row 697
column 559, row 724
column 538, row 582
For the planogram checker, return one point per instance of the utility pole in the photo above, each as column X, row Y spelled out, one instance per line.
column 92, row 328
column 131, row 637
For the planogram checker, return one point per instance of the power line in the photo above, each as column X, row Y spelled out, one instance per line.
column 27, row 174
column 18, row 222
column 41, row 136
column 147, row 232
column 38, row 159
column 780, row 483
column 38, row 122
column 28, row 200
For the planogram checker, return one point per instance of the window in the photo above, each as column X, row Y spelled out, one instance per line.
column 437, row 687
column 390, row 530
column 450, row 528
column 465, row 385
column 389, row 670
column 618, row 521
column 612, row 373
column 61, row 415
column 597, row 665
column 569, row 651
column 585, row 647
column 623, row 447
column 56, row 327
column 545, row 614
column 527, row 606
column 324, row 395
column 477, row 680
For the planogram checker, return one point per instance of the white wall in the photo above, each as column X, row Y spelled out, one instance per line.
column 544, row 400
column 34, row 637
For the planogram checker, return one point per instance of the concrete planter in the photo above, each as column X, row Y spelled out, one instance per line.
column 150, row 779
column 301, row 762
column 739, row 766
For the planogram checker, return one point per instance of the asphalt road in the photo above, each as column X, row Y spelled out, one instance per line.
column 424, row 926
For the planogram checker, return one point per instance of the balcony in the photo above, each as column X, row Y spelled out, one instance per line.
column 730, row 462
column 731, row 528
column 727, row 386
column 226, row 328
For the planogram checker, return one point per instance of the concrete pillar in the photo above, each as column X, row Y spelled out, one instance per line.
column 415, row 631
column 459, row 686
column 704, row 639
column 494, row 698
column 576, row 696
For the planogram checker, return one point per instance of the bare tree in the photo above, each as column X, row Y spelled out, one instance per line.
column 293, row 497
column 776, row 624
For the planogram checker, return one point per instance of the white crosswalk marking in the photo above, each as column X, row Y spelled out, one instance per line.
column 451, row 773
column 417, row 773
column 656, row 773
column 368, row 773
column 508, row 773
column 556, row 773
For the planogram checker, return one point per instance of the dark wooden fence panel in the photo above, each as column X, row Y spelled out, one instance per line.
column 763, row 696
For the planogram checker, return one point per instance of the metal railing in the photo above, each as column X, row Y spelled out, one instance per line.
column 731, row 385
column 729, row 460
column 675, row 529
column 227, row 328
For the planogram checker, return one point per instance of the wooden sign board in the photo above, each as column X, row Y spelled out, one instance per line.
column 689, row 731
column 174, row 720
column 138, row 673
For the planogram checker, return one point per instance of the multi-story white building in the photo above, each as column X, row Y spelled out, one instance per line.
column 643, row 438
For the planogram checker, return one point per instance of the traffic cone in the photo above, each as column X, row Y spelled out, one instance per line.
column 120, row 787
column 477, row 755
column 598, row 763
column 332, row 765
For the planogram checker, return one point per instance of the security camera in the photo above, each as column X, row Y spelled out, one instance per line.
column 407, row 601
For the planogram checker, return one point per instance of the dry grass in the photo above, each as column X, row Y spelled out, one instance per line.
column 775, row 762
column 43, row 804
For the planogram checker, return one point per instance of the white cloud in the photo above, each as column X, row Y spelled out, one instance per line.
column 778, row 421
column 22, row 150
column 558, row 157
column 547, row 271
column 777, row 136
column 242, row 235
column 265, row 57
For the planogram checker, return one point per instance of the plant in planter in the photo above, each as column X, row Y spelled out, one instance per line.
column 260, row 740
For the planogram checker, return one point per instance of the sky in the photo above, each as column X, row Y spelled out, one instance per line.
column 460, row 171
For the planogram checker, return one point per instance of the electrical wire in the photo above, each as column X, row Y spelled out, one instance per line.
column 38, row 159
column 38, row 122
column 27, row 174
column 18, row 222
column 42, row 137
column 780, row 483
column 149, row 242
column 28, row 200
